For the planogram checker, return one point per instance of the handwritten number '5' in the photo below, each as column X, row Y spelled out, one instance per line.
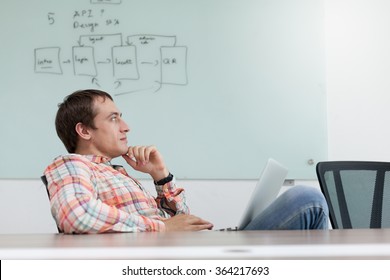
column 50, row 17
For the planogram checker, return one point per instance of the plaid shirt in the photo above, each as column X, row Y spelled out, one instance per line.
column 87, row 195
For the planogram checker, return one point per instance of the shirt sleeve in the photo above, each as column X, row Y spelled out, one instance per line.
column 171, row 193
column 76, row 208
column 166, row 193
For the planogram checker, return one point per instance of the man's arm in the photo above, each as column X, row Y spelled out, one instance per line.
column 148, row 159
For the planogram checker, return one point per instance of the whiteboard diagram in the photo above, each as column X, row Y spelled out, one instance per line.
column 153, row 60
column 127, row 64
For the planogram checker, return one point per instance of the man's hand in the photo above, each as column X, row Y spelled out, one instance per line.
column 186, row 223
column 147, row 159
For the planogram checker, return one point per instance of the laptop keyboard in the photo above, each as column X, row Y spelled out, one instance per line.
column 228, row 229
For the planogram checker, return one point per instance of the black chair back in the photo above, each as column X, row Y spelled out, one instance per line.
column 357, row 192
column 44, row 180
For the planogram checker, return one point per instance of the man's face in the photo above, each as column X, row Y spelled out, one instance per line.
column 109, row 138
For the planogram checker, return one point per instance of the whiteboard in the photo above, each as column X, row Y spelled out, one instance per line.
column 219, row 86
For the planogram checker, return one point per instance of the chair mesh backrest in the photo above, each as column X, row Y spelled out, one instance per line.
column 358, row 193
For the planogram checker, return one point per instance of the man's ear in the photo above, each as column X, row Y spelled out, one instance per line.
column 83, row 131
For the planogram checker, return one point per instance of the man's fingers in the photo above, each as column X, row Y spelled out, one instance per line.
column 187, row 223
column 141, row 153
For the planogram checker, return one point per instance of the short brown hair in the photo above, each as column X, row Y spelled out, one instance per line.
column 77, row 107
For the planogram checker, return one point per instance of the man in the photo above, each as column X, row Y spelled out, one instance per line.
column 89, row 195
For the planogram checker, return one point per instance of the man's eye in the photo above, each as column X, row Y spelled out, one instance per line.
column 114, row 118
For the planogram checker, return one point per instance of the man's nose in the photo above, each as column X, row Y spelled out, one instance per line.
column 124, row 126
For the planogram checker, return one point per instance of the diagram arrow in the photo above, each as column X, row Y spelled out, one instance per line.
column 155, row 63
column 108, row 61
column 95, row 81
column 117, row 84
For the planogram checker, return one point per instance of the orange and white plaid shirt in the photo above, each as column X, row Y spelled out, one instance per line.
column 87, row 195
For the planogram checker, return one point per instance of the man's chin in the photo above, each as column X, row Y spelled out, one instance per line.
column 118, row 154
column 123, row 152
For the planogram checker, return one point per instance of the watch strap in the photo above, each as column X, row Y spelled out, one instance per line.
column 165, row 180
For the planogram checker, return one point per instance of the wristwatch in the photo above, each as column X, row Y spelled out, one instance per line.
column 165, row 180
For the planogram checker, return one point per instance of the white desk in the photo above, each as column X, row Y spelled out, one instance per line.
column 333, row 244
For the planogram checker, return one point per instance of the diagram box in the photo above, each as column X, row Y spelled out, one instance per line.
column 147, row 40
column 47, row 60
column 83, row 61
column 174, row 65
column 125, row 62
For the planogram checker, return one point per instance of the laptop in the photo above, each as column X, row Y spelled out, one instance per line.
column 265, row 192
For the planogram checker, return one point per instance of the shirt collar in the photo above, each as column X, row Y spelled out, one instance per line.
column 98, row 159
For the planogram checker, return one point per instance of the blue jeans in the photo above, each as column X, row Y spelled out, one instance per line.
column 300, row 207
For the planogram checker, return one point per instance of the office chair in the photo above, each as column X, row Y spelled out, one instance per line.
column 357, row 193
column 44, row 180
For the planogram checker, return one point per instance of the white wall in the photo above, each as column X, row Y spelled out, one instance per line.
column 24, row 207
column 358, row 91
column 358, row 79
